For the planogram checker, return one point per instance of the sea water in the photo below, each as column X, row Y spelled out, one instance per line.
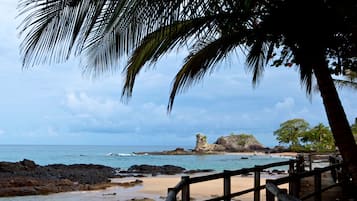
column 123, row 156
column 120, row 157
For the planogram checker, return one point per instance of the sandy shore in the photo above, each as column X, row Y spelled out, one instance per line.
column 282, row 154
column 156, row 187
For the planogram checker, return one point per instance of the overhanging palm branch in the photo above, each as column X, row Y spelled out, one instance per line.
column 157, row 43
column 203, row 60
column 101, row 31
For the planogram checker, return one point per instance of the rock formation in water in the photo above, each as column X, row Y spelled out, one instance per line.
column 231, row 143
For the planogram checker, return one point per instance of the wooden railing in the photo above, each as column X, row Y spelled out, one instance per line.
column 337, row 172
column 183, row 186
column 296, row 173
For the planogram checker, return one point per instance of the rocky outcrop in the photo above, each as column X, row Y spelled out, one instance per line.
column 203, row 146
column 231, row 143
column 242, row 142
column 28, row 178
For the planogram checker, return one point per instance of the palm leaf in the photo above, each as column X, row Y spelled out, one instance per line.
column 163, row 40
column 201, row 61
column 255, row 59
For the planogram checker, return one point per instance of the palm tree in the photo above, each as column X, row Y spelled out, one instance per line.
column 311, row 34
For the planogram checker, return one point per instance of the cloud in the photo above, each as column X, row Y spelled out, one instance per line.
column 84, row 104
column 287, row 104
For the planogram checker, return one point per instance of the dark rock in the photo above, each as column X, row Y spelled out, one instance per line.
column 198, row 171
column 153, row 169
column 28, row 178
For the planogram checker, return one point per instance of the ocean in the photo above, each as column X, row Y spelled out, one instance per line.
column 122, row 156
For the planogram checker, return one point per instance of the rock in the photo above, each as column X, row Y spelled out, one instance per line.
column 231, row 143
column 28, row 178
column 198, row 171
column 28, row 164
column 242, row 142
column 203, row 146
column 153, row 169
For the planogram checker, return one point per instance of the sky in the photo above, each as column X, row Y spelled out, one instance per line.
column 58, row 105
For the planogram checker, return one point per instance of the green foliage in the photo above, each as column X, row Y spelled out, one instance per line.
column 242, row 140
column 291, row 131
column 298, row 135
column 319, row 138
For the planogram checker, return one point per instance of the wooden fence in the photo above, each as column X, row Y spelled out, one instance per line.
column 296, row 172
column 183, row 186
column 338, row 174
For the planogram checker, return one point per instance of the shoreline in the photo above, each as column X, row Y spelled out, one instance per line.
column 32, row 179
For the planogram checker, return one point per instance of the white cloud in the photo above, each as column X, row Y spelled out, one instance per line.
column 287, row 104
column 84, row 104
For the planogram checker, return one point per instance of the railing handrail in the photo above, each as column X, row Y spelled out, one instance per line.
column 172, row 192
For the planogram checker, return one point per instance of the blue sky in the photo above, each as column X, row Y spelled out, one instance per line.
column 58, row 105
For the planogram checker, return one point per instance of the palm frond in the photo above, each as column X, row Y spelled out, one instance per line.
column 201, row 61
column 157, row 43
column 255, row 60
column 306, row 78
column 51, row 28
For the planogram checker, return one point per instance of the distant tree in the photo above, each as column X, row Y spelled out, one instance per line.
column 319, row 138
column 291, row 132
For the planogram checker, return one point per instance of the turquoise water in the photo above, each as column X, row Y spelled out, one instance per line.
column 123, row 157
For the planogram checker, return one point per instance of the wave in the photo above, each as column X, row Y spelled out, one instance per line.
column 120, row 154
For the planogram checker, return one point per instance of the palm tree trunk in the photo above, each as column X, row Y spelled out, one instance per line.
column 337, row 118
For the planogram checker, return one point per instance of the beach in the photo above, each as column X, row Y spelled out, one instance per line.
column 155, row 188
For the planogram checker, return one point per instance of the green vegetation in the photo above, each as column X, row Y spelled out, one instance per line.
column 242, row 140
column 297, row 134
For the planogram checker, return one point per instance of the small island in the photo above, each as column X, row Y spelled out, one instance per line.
column 224, row 144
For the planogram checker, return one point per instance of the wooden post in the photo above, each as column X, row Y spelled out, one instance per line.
column 227, row 185
column 185, row 193
column 269, row 196
column 300, row 165
column 291, row 173
column 332, row 161
column 172, row 198
column 291, row 167
column 317, row 182
column 310, row 161
column 257, row 184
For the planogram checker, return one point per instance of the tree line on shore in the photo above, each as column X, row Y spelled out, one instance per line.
column 299, row 136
